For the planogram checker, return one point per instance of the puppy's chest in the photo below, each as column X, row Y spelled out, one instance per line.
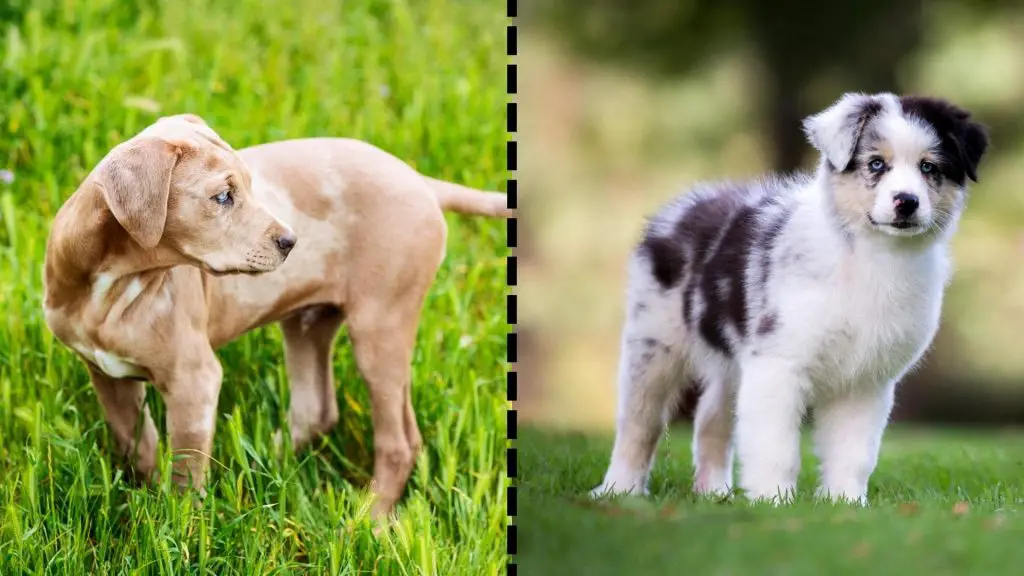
column 876, row 334
column 84, row 340
column 118, row 328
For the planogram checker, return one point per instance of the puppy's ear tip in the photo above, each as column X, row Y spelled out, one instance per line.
column 186, row 116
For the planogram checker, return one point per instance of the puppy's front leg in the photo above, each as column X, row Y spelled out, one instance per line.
column 848, row 436
column 769, row 408
column 190, row 393
column 124, row 407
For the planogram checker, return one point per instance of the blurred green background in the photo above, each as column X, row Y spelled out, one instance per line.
column 624, row 103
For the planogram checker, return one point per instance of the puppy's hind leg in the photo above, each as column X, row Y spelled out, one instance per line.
column 308, row 345
column 383, row 338
column 712, row 435
column 648, row 380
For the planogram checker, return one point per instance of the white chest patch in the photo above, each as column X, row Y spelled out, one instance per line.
column 111, row 364
column 133, row 290
column 884, row 325
column 101, row 286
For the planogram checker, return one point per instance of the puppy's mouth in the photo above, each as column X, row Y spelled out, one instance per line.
column 221, row 272
column 896, row 224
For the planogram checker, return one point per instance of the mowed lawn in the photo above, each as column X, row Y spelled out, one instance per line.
column 941, row 502
column 423, row 79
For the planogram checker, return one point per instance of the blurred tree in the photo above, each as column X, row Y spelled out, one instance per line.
column 796, row 43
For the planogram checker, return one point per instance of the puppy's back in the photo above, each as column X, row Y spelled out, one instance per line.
column 714, row 245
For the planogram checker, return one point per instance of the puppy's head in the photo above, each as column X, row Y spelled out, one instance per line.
column 897, row 165
column 178, row 186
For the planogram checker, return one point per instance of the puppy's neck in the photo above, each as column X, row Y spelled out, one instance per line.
column 86, row 241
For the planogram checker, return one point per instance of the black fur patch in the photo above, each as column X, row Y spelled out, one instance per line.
column 726, row 267
column 666, row 256
column 963, row 141
column 708, row 251
column 697, row 229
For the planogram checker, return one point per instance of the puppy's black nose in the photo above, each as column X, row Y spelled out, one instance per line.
column 285, row 243
column 905, row 204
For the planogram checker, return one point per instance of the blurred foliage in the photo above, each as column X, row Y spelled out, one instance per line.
column 806, row 52
column 624, row 104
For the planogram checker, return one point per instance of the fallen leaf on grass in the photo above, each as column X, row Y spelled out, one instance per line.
column 613, row 511
column 996, row 522
column 667, row 512
column 909, row 508
column 861, row 550
column 961, row 508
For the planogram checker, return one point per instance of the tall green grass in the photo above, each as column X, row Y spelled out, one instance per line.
column 423, row 79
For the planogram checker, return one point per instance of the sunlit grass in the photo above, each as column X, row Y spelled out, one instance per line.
column 423, row 80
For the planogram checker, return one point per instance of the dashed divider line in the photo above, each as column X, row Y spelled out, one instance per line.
column 510, row 279
column 512, row 190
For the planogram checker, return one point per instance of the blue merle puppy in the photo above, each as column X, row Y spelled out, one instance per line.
column 819, row 290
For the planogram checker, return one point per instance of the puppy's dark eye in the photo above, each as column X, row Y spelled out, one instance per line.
column 225, row 198
column 927, row 167
column 876, row 165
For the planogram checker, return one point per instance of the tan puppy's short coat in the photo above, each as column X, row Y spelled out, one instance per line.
column 176, row 244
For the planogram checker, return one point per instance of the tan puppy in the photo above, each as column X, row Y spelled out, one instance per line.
column 176, row 244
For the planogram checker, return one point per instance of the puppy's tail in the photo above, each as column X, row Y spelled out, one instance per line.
column 466, row 200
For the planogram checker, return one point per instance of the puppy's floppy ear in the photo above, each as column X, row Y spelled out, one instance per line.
column 973, row 142
column 836, row 131
column 136, row 182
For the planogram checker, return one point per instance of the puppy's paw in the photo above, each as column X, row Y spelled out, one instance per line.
column 777, row 496
column 611, row 488
column 853, row 498
column 384, row 523
column 712, row 484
